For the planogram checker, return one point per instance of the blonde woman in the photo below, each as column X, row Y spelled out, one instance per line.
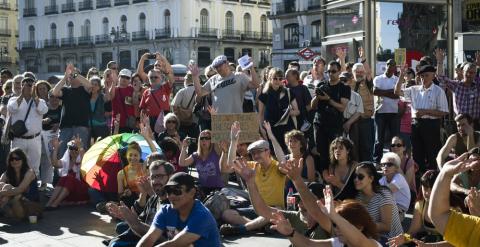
column 277, row 106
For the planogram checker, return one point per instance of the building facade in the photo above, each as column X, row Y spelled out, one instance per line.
column 92, row 32
column 8, row 35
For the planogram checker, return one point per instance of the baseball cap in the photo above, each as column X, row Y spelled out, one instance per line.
column 219, row 61
column 260, row 144
column 181, row 178
column 125, row 72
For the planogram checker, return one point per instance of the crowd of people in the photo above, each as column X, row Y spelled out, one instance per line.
column 318, row 174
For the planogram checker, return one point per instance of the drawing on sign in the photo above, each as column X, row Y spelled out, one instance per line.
column 400, row 56
column 221, row 124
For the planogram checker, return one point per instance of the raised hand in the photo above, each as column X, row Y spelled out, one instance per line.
column 460, row 164
column 329, row 207
column 144, row 185
column 396, row 241
column 340, row 52
column 193, row 68
column 293, row 170
column 235, row 131
column 241, row 167
column 212, row 110
column 281, row 224
column 473, row 201
column 78, row 141
column 114, row 210
column 439, row 54
column 69, row 70
column 268, row 128
column 55, row 142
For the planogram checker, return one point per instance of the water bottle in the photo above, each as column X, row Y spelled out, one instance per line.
column 290, row 200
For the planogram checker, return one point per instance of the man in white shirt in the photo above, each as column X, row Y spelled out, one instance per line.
column 30, row 108
column 386, row 108
column 352, row 113
column 317, row 75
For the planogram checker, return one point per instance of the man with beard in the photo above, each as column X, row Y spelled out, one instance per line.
column 462, row 141
column 185, row 221
column 139, row 218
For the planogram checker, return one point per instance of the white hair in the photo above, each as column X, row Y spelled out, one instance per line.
column 357, row 66
column 392, row 156
column 171, row 116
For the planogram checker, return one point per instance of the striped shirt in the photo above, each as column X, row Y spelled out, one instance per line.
column 466, row 99
column 421, row 98
column 374, row 210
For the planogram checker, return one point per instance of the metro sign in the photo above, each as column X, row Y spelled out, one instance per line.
column 306, row 53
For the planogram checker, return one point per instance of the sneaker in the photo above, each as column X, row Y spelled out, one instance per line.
column 231, row 230
column 101, row 207
column 43, row 187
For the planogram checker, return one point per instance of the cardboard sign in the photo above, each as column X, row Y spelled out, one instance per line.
column 221, row 124
column 400, row 56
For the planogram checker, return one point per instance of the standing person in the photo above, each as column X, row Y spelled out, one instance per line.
column 124, row 100
column 302, row 96
column 386, row 109
column 227, row 89
column 317, row 75
column 331, row 99
column 405, row 112
column 5, row 75
column 352, row 113
column 429, row 104
column 161, row 64
column 98, row 120
column 28, row 108
column 202, row 104
column 185, row 221
column 75, row 107
column 182, row 105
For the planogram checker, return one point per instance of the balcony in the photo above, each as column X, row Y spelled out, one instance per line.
column 85, row 40
column 68, row 42
column 102, row 39
column 5, row 32
column 51, row 10
column 68, row 7
column 313, row 4
column 28, row 45
column 51, row 43
column 286, row 7
column 162, row 33
column 29, row 12
column 141, row 35
column 231, row 1
column 249, row 35
column 4, row 5
column 139, row 1
column 207, row 32
column 5, row 59
column 122, row 2
column 103, row 4
column 264, row 2
column 231, row 34
column 316, row 41
column 249, row 1
column 290, row 44
column 85, row 5
column 125, row 38
column 53, row 68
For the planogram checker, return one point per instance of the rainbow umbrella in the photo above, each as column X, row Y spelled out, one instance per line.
column 101, row 163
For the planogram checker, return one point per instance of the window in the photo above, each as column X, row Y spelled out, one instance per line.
column 29, row 4
column 105, row 25
column 53, row 31
column 139, row 55
column 263, row 25
column 247, row 23
column 142, row 22
column 123, row 20
column 106, row 57
column 86, row 28
column 204, row 20
column 53, row 2
column 229, row 22
column 125, row 59
column 247, row 51
column 70, row 30
column 344, row 19
column 31, row 33
column 204, row 56
column 166, row 16
column 230, row 54
column 316, row 33
column 291, row 34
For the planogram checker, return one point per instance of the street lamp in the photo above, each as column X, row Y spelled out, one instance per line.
column 118, row 35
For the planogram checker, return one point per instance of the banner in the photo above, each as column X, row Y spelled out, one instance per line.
column 400, row 56
column 221, row 124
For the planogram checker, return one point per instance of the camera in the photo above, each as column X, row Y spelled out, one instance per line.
column 322, row 89
column 191, row 140
column 152, row 56
column 318, row 91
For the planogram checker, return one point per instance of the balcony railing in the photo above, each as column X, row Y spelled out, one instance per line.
column 28, row 44
column 29, row 12
column 68, row 41
column 264, row 2
column 313, row 4
column 4, row 5
column 5, row 32
column 139, row 1
column 207, row 32
column 51, row 43
column 122, row 2
column 51, row 10
column 103, row 4
column 5, row 59
column 125, row 38
column 85, row 40
column 85, row 5
column 53, row 68
column 231, row 34
column 140, row 35
column 316, row 41
column 162, row 33
column 68, row 7
column 249, row 35
column 102, row 39
column 289, row 44
column 286, row 7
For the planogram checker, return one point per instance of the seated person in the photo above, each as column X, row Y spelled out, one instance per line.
column 128, row 190
column 184, row 221
column 18, row 186
column 171, row 123
column 464, row 181
column 342, row 164
column 171, row 150
column 70, row 186
column 395, row 181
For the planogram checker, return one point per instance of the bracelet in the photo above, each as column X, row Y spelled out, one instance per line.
column 408, row 237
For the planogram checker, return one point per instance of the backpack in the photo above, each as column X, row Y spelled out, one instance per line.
column 217, row 203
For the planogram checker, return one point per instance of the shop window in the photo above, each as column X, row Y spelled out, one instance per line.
column 344, row 19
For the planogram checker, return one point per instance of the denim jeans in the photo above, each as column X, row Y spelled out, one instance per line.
column 67, row 134
column 382, row 122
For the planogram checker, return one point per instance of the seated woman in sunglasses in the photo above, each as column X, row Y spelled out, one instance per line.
column 70, row 187
column 351, row 224
column 171, row 123
column 378, row 200
column 395, row 181
column 207, row 162
column 407, row 164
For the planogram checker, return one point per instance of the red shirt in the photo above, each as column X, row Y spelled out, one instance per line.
column 119, row 106
column 161, row 102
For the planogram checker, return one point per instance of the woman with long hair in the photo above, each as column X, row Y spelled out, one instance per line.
column 351, row 225
column 342, row 163
column 18, row 185
column 127, row 178
column 277, row 106
column 206, row 160
column 98, row 120
column 378, row 200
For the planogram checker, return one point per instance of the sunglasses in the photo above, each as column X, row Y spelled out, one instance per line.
column 72, row 148
column 125, row 77
column 153, row 77
column 332, row 71
column 171, row 121
column 205, row 138
column 277, row 78
column 359, row 176
column 396, row 145
column 13, row 158
column 173, row 190
column 28, row 83
column 386, row 164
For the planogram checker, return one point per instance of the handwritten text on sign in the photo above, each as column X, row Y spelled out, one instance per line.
column 221, row 124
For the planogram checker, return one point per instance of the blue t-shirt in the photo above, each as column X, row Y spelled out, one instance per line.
column 200, row 222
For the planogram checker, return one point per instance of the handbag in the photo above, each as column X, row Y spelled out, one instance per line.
column 131, row 121
column 158, row 128
column 200, row 109
column 18, row 128
column 185, row 115
column 284, row 119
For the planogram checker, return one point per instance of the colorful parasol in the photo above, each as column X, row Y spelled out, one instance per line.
column 101, row 163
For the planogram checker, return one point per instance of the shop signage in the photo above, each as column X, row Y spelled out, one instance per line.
column 306, row 53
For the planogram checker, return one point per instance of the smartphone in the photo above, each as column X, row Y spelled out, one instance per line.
column 191, row 140
column 152, row 56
